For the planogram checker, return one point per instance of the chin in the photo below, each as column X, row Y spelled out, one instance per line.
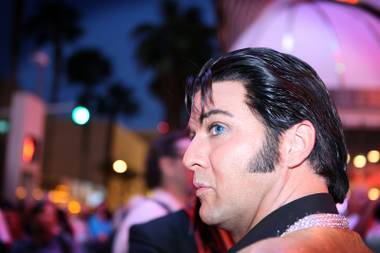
column 208, row 215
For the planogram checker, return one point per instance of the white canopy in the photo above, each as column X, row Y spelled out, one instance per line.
column 341, row 42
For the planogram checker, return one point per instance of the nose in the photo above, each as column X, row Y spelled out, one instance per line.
column 195, row 155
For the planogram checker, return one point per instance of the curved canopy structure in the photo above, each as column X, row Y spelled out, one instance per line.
column 342, row 42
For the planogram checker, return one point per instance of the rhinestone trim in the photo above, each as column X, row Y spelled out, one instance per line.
column 326, row 220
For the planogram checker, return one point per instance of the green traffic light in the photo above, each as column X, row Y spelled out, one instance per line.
column 4, row 126
column 80, row 115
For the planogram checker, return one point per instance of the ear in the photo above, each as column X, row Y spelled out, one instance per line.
column 165, row 164
column 299, row 141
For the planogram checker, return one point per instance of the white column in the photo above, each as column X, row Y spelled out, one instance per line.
column 27, row 118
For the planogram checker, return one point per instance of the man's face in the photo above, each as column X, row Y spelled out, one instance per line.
column 227, row 143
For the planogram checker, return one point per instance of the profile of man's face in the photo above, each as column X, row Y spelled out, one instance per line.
column 229, row 152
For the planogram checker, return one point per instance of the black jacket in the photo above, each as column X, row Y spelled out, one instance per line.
column 169, row 234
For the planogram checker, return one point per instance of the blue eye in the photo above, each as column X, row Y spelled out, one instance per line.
column 217, row 129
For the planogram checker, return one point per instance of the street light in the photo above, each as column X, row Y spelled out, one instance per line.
column 80, row 115
column 120, row 166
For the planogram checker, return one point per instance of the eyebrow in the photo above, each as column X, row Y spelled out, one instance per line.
column 205, row 115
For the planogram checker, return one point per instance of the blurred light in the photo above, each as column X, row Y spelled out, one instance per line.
column 62, row 187
column 80, row 115
column 119, row 166
column 20, row 192
column 373, row 194
column 58, row 196
column 41, row 58
column 373, row 156
column 95, row 198
column 163, row 127
column 4, row 126
column 28, row 149
column 349, row 1
column 340, row 67
column 348, row 158
column 359, row 161
column 37, row 194
column 287, row 42
column 74, row 207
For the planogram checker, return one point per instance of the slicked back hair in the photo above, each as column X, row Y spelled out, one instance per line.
column 282, row 90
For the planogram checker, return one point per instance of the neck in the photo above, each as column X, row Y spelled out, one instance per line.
column 294, row 184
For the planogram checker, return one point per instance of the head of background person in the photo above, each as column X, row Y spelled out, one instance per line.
column 272, row 95
column 12, row 214
column 44, row 221
column 164, row 166
column 358, row 200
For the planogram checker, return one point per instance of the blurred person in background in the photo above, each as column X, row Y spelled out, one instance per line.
column 11, row 227
column 12, row 215
column 5, row 236
column 122, row 211
column 80, row 230
column 360, row 210
column 100, row 229
column 169, row 181
column 182, row 231
column 48, row 231
column 372, row 237
column 268, row 154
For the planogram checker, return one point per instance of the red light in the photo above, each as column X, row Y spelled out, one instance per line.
column 163, row 127
column 28, row 149
column 349, row 1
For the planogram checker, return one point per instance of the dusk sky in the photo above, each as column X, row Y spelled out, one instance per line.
column 107, row 26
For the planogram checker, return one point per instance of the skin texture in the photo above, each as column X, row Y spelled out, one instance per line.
column 224, row 147
column 228, row 149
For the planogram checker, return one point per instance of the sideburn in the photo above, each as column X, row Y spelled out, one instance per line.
column 265, row 159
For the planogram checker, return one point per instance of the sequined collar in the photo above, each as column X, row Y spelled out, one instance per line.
column 276, row 223
column 325, row 220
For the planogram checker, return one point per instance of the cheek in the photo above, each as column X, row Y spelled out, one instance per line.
column 230, row 165
column 233, row 155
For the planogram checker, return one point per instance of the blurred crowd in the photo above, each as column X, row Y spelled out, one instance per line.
column 45, row 227
column 167, row 220
column 363, row 215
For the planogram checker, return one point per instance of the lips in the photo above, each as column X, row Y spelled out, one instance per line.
column 201, row 188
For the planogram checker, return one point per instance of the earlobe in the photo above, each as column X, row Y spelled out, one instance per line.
column 301, row 138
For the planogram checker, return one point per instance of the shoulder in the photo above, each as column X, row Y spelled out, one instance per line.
column 22, row 246
column 144, row 212
column 170, row 233
column 311, row 240
column 176, row 221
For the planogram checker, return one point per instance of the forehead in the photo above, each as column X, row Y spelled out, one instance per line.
column 226, row 95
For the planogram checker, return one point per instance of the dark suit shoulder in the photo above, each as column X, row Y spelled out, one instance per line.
column 171, row 233
column 172, row 219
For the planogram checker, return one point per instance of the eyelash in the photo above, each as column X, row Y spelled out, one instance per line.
column 213, row 126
